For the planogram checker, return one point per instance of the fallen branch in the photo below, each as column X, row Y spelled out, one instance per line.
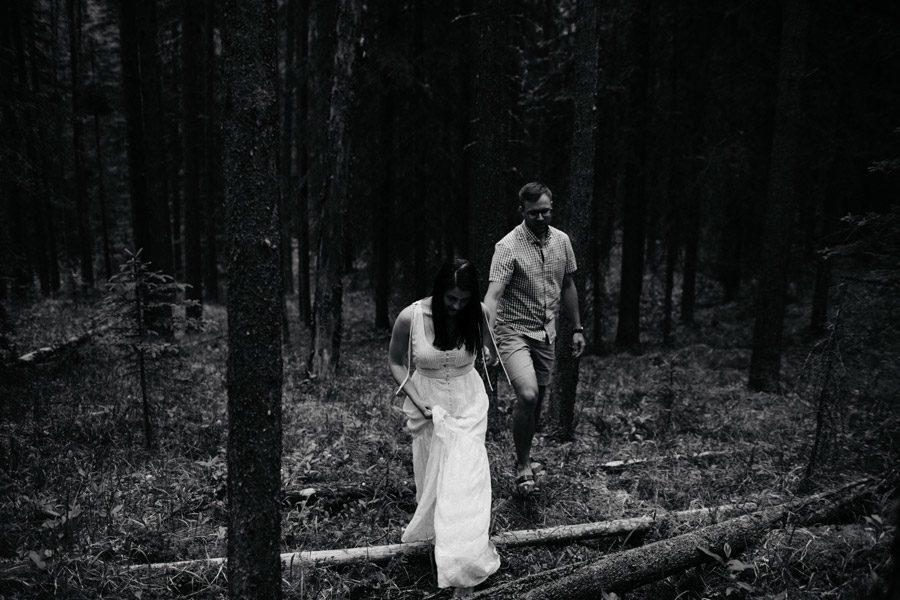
column 508, row 539
column 632, row 568
column 48, row 352
column 619, row 465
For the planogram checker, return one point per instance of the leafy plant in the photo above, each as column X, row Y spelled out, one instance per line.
column 141, row 309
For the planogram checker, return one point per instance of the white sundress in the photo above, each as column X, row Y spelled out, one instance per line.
column 450, row 463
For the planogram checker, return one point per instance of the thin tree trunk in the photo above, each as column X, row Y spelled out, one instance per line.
column 32, row 138
column 635, row 208
column 768, row 327
column 82, row 201
column 420, row 250
column 149, row 201
column 457, row 239
column 193, row 127
column 606, row 166
column 578, row 207
column 254, row 379
column 381, row 223
column 674, row 184
column 101, row 176
column 213, row 192
column 327, row 311
column 287, row 147
column 303, row 164
column 488, row 203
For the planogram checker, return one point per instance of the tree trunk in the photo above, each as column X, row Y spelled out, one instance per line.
column 674, row 186
column 832, row 210
column 193, row 126
column 286, row 161
column 327, row 311
column 143, row 115
column 381, row 223
column 254, row 378
column 213, row 191
column 38, row 192
column 693, row 52
column 488, row 200
column 606, row 167
column 14, row 260
column 635, row 208
column 578, row 207
column 420, row 250
column 768, row 327
column 101, row 175
column 82, row 202
column 303, row 164
column 320, row 79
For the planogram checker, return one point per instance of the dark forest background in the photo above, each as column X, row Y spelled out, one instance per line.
column 716, row 146
column 737, row 154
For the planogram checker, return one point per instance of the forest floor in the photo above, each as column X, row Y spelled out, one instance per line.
column 81, row 499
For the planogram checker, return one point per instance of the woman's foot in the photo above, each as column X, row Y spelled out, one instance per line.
column 462, row 592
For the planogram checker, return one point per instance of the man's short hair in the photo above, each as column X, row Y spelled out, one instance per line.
column 532, row 192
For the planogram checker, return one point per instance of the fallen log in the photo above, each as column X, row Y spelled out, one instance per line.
column 48, row 352
column 507, row 539
column 629, row 569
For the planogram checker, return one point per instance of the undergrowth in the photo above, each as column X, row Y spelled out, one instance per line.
column 81, row 500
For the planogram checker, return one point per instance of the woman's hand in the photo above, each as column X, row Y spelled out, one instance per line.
column 425, row 410
column 491, row 359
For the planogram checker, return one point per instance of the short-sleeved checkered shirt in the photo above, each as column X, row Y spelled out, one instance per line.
column 533, row 273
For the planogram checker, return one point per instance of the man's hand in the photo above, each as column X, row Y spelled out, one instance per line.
column 578, row 344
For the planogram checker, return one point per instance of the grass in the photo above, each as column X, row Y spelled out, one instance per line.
column 80, row 498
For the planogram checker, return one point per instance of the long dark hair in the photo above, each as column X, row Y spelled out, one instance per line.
column 456, row 273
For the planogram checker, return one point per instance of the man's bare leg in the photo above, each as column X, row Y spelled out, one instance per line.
column 528, row 393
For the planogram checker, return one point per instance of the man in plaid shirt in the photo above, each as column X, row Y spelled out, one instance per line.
column 531, row 273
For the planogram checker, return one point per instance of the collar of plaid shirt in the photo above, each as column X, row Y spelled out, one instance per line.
column 530, row 236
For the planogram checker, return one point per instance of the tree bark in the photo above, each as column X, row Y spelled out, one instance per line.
column 768, row 327
column 254, row 377
column 327, row 311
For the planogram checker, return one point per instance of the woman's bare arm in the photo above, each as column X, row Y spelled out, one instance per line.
column 397, row 357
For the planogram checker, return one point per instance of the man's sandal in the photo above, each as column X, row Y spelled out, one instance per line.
column 525, row 484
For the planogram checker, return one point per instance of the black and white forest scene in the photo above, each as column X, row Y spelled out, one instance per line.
column 431, row 299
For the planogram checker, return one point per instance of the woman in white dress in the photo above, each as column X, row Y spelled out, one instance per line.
column 432, row 356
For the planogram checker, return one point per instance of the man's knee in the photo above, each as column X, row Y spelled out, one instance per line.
column 528, row 396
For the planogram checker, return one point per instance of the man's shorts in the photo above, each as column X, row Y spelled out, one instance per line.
column 522, row 355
